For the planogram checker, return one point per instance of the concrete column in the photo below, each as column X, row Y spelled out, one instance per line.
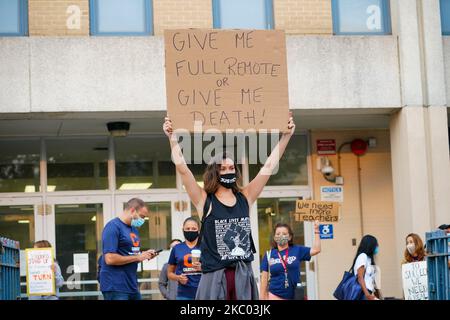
column 419, row 132
column 406, row 22
column 432, row 53
column 436, row 112
column 439, row 164
column 410, row 174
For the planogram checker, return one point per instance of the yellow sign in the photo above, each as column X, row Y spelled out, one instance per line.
column 310, row 210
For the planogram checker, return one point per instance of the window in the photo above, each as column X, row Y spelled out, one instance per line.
column 19, row 165
column 77, row 164
column 13, row 18
column 238, row 14
column 144, row 163
column 293, row 168
column 118, row 17
column 361, row 17
column 17, row 223
column 445, row 17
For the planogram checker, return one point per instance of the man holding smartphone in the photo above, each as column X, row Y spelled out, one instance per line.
column 122, row 253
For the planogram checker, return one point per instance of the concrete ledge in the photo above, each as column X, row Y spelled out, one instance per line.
column 104, row 74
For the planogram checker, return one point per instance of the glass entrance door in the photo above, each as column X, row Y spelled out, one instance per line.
column 77, row 224
column 18, row 222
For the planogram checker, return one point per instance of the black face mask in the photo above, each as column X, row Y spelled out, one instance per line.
column 228, row 180
column 190, row 235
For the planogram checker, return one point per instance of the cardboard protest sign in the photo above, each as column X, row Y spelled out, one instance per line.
column 40, row 277
column 415, row 280
column 310, row 210
column 226, row 79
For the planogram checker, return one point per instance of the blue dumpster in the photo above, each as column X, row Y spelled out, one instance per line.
column 437, row 265
column 9, row 269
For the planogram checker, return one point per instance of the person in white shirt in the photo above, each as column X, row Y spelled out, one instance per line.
column 364, row 267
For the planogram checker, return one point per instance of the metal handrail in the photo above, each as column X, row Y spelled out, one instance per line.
column 94, row 293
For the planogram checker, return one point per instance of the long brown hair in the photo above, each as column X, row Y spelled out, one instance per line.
column 212, row 174
column 291, row 233
column 42, row 244
column 420, row 251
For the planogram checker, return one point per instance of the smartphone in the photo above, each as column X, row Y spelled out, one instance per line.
column 158, row 251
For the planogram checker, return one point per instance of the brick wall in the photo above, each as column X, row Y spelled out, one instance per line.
column 171, row 14
column 303, row 16
column 49, row 17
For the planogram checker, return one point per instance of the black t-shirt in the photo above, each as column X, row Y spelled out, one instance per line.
column 226, row 234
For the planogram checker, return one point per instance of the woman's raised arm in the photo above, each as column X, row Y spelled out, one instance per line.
column 195, row 192
column 256, row 186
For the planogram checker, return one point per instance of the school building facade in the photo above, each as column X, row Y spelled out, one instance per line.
column 375, row 70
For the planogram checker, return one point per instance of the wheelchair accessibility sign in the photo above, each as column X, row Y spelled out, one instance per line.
column 326, row 231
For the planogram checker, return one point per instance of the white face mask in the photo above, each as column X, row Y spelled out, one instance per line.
column 411, row 248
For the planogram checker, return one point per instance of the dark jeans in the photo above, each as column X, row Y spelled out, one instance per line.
column 115, row 295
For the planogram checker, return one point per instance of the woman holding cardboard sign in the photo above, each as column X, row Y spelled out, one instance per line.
column 59, row 280
column 227, row 246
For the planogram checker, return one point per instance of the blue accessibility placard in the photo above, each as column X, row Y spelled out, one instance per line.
column 326, row 231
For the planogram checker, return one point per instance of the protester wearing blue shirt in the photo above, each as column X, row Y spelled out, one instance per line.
column 181, row 267
column 122, row 252
column 283, row 264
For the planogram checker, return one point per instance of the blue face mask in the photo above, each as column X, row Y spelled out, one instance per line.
column 376, row 250
column 137, row 223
